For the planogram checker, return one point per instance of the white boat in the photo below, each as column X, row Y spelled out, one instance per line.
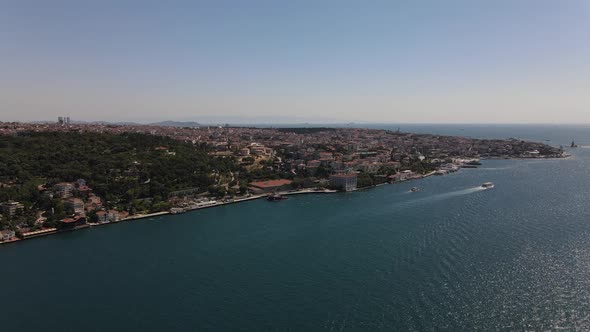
column 487, row 185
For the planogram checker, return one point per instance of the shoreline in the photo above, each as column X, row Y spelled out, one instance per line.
column 52, row 231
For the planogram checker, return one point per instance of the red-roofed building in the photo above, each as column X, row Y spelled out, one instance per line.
column 261, row 187
column 69, row 223
column 123, row 215
column 68, row 220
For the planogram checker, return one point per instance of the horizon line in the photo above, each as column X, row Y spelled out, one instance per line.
column 348, row 123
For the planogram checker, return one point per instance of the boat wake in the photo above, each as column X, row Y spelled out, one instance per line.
column 496, row 168
column 466, row 191
column 442, row 196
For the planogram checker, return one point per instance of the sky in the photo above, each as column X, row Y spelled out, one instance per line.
column 319, row 61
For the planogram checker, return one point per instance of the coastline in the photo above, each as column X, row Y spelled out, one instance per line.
column 51, row 231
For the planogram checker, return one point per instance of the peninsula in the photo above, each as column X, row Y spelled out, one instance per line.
column 63, row 176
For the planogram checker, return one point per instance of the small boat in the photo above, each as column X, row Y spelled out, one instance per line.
column 473, row 163
column 415, row 189
column 276, row 197
column 487, row 185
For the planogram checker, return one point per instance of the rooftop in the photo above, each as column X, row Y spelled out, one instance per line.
column 271, row 183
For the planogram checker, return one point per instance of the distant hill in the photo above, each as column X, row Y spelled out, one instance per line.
column 189, row 124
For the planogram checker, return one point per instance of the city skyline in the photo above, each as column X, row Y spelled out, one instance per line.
column 317, row 62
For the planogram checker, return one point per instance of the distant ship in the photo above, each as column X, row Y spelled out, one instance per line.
column 574, row 145
column 414, row 189
column 487, row 185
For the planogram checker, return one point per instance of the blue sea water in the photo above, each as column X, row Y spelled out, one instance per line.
column 451, row 257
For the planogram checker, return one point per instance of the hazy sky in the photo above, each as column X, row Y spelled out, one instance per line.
column 470, row 61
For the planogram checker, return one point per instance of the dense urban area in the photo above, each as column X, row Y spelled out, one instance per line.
column 64, row 176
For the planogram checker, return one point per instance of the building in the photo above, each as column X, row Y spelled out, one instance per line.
column 7, row 235
column 83, row 191
column 368, row 167
column 123, row 215
column 259, row 150
column 93, row 203
column 244, row 152
column 71, row 223
column 113, row 215
column 401, row 176
column 64, row 189
column 10, row 208
column 270, row 186
column 74, row 204
column 344, row 181
column 63, row 120
column 102, row 216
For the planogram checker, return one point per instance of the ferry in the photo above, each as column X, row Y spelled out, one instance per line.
column 276, row 197
column 487, row 185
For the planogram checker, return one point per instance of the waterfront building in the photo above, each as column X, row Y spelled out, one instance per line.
column 270, row 186
column 10, row 208
column 70, row 223
column 403, row 176
column 6, row 235
column 368, row 167
column 113, row 215
column 344, row 181
column 101, row 216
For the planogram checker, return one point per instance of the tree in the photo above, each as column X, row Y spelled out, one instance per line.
column 297, row 183
column 120, row 168
column 364, row 180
